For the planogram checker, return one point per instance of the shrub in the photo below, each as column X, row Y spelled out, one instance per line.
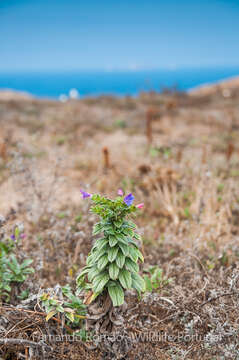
column 112, row 264
column 155, row 279
column 67, row 305
column 11, row 271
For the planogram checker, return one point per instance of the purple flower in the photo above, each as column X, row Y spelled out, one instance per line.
column 85, row 194
column 23, row 236
column 120, row 192
column 129, row 199
column 13, row 237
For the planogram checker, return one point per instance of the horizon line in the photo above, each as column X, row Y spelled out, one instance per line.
column 120, row 69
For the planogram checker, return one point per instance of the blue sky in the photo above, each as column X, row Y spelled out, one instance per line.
column 125, row 34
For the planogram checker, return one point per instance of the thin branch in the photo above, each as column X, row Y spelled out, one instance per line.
column 22, row 342
column 218, row 297
column 36, row 313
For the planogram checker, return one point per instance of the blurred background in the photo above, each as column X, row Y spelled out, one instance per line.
column 61, row 47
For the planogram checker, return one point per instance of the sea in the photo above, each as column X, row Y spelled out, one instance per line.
column 59, row 84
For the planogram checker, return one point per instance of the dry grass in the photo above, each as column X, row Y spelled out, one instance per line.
column 184, row 165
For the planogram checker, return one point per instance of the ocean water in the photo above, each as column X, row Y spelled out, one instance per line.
column 91, row 83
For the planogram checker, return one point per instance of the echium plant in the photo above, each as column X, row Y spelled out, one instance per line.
column 112, row 264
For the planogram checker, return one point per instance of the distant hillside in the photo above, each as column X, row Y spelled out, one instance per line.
column 8, row 95
column 209, row 89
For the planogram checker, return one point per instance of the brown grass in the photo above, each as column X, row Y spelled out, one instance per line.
column 189, row 224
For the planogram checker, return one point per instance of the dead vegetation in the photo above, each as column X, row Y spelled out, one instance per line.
column 179, row 155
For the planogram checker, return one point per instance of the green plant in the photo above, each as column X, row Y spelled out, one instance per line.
column 112, row 264
column 120, row 123
column 78, row 218
column 24, row 295
column 18, row 271
column 220, row 188
column 84, row 335
column 155, row 279
column 68, row 305
column 11, row 270
column 187, row 212
column 61, row 215
column 60, row 140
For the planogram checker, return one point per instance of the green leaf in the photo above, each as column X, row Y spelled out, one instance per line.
column 60, row 309
column 125, row 279
column 89, row 260
column 17, row 232
column 124, row 248
column 129, row 232
column 148, row 285
column 113, row 271
column 130, row 224
column 112, row 253
column 24, row 295
column 4, row 248
column 98, row 253
column 66, row 290
column 97, row 229
column 96, row 197
column 131, row 241
column 53, row 302
column 100, row 281
column 120, row 260
column 133, row 254
column 28, row 271
column 131, row 265
column 137, row 282
column 108, row 230
column 116, row 294
column 100, row 243
column 112, row 240
column 102, row 262
column 7, row 287
column 87, row 286
column 14, row 265
column 26, row 263
column 93, row 272
column 137, row 236
column 140, row 255
column 118, row 224
column 122, row 238
column 82, row 274
column 157, row 275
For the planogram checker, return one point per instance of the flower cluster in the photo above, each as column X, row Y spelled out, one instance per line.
column 128, row 199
